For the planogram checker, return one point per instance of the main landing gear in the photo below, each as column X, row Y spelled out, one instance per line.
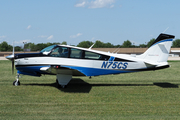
column 62, row 80
column 17, row 82
column 60, row 86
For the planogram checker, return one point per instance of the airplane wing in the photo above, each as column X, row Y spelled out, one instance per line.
column 79, row 71
column 57, row 69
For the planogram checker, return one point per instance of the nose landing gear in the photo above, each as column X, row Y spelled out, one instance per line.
column 17, row 82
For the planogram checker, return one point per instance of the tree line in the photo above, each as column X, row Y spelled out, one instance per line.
column 4, row 46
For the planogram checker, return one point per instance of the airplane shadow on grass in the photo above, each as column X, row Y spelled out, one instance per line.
column 166, row 85
column 77, row 85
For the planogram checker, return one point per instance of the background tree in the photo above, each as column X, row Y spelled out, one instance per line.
column 64, row 43
column 99, row 44
column 32, row 46
column 150, row 42
column 85, row 44
column 10, row 48
column 117, row 46
column 56, row 43
column 108, row 45
column 176, row 43
column 27, row 45
column 18, row 48
column 142, row 45
column 127, row 44
column 5, row 47
column 39, row 46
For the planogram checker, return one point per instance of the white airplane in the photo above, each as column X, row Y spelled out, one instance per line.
column 66, row 61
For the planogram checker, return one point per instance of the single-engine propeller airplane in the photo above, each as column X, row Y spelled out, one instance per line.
column 66, row 61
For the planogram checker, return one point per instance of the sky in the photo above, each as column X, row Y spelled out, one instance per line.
column 73, row 21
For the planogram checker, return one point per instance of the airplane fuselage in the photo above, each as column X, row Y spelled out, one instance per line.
column 92, row 64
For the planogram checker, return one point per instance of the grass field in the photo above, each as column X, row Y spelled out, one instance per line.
column 144, row 95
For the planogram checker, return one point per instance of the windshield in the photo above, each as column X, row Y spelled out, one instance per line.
column 48, row 49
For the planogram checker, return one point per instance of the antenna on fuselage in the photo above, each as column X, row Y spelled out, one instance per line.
column 116, row 50
column 166, row 29
column 92, row 45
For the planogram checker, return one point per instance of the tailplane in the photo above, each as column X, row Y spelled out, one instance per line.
column 159, row 50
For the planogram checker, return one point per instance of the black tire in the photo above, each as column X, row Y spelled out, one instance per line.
column 14, row 83
column 60, row 86
column 57, row 84
column 64, row 86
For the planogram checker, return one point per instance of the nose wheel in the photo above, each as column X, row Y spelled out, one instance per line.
column 16, row 82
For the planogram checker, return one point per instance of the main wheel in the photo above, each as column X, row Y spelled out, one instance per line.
column 60, row 86
column 57, row 84
column 63, row 86
column 16, row 83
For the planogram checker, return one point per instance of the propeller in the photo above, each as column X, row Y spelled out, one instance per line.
column 13, row 60
column 11, row 57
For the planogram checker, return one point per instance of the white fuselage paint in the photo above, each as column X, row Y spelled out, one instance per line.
column 137, row 64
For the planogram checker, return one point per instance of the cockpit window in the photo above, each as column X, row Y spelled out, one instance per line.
column 60, row 52
column 47, row 49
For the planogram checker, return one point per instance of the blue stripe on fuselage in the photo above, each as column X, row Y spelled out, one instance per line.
column 162, row 41
column 35, row 70
column 31, row 70
column 111, row 58
column 95, row 71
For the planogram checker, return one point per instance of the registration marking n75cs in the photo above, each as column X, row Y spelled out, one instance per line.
column 114, row 65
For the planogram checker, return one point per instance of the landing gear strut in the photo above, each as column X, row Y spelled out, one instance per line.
column 16, row 82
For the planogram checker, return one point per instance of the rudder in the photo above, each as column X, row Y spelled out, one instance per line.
column 159, row 50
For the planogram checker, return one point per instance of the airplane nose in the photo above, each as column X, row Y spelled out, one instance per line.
column 10, row 57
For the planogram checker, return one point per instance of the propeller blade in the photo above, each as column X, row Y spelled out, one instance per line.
column 13, row 60
column 13, row 66
column 11, row 57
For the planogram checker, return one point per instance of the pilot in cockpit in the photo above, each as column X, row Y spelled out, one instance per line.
column 63, row 52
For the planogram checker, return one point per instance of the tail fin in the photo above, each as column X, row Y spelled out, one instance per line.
column 159, row 50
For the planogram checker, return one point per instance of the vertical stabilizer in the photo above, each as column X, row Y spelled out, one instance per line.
column 159, row 50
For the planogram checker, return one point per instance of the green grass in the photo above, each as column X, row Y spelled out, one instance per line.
column 144, row 95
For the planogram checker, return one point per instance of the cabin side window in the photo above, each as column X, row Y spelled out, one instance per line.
column 95, row 56
column 60, row 52
column 76, row 53
column 66, row 52
column 91, row 55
